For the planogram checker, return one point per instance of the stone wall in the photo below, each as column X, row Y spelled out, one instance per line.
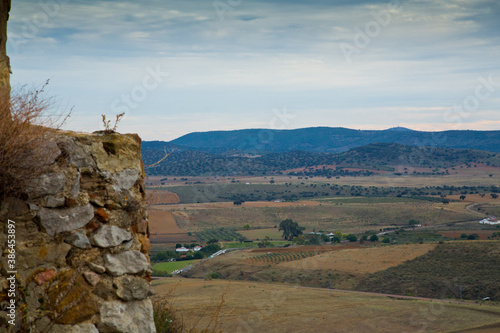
column 4, row 59
column 82, row 242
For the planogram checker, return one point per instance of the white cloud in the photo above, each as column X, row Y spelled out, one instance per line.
column 260, row 56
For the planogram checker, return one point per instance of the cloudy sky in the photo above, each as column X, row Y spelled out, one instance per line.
column 180, row 66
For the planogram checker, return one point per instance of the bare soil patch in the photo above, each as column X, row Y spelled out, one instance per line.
column 163, row 222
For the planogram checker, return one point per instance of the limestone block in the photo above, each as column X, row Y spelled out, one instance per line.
column 110, row 236
column 126, row 179
column 68, row 219
column 76, row 154
column 54, row 202
column 128, row 262
column 82, row 328
column 47, row 184
column 50, row 255
column 97, row 268
column 78, row 239
column 92, row 278
column 75, row 189
column 130, row 288
column 132, row 317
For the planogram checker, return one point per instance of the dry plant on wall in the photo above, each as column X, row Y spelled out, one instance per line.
column 107, row 123
column 26, row 137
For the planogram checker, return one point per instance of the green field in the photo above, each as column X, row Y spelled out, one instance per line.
column 172, row 266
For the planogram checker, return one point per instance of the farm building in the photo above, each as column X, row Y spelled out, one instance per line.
column 181, row 249
column 490, row 220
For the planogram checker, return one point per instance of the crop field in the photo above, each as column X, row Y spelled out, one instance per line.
column 221, row 234
column 163, row 222
column 276, row 258
column 363, row 260
column 260, row 307
column 164, row 230
column 161, row 197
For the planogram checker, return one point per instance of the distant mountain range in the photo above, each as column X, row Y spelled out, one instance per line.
column 328, row 140
column 328, row 151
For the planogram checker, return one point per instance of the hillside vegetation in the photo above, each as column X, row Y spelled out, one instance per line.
column 294, row 191
column 334, row 140
column 360, row 161
column 475, row 266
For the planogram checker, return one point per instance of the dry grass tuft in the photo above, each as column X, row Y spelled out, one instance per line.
column 25, row 137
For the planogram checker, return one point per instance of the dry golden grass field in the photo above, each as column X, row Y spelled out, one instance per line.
column 362, row 260
column 161, row 197
column 261, row 307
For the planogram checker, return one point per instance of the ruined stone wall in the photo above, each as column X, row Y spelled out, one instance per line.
column 81, row 241
column 4, row 59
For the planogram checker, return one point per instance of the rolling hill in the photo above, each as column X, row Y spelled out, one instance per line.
column 333, row 139
column 358, row 161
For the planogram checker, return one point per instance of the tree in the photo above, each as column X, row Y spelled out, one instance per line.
column 494, row 195
column 178, row 245
column 386, row 240
column 246, row 226
column 290, row 229
column 373, row 238
column 266, row 242
column 213, row 241
column 352, row 238
column 413, row 222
